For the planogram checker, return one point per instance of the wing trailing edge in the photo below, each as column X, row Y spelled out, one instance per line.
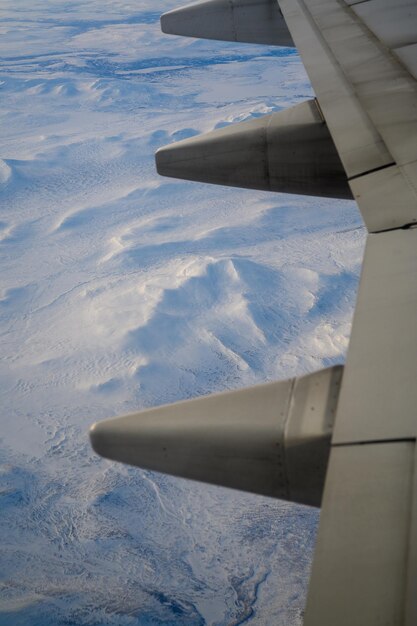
column 272, row 439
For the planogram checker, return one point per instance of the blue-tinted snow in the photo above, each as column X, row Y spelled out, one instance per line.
column 121, row 290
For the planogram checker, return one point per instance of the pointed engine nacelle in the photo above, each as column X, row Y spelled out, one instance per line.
column 272, row 439
column 290, row 151
column 247, row 21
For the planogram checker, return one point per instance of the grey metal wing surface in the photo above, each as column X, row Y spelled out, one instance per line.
column 358, row 138
column 361, row 60
column 361, row 57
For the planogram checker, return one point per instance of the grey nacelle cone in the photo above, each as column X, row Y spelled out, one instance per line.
column 272, row 439
column 247, row 21
column 290, row 151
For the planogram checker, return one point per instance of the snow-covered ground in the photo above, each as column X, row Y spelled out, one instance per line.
column 121, row 290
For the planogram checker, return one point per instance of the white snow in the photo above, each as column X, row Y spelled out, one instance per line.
column 121, row 290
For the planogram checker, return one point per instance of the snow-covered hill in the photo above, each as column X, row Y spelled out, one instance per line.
column 121, row 290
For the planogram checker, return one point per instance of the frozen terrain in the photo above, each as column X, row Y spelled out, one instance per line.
column 121, row 290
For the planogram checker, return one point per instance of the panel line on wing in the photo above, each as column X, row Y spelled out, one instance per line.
column 359, row 572
column 375, row 169
column 370, row 442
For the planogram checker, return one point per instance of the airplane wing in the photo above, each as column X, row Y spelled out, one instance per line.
column 357, row 138
column 361, row 57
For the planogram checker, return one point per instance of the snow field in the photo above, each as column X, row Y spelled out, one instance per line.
column 121, row 290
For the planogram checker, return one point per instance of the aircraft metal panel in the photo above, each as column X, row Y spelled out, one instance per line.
column 378, row 398
column 359, row 573
column 359, row 144
column 394, row 23
column 386, row 198
column 385, row 89
column 367, row 97
column 408, row 56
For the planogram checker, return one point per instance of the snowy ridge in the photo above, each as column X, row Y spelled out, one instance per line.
column 121, row 290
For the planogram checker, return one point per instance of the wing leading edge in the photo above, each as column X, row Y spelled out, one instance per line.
column 361, row 57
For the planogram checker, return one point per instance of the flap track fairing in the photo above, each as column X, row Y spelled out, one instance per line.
column 272, row 439
column 246, row 21
column 290, row 151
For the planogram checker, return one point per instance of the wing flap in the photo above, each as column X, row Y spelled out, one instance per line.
column 368, row 99
column 384, row 198
column 360, row 572
column 379, row 396
column 394, row 23
column 408, row 57
column 359, row 144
